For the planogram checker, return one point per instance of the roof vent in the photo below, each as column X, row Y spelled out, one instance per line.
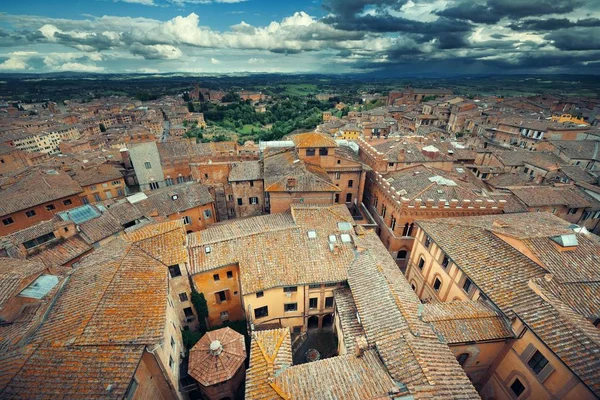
column 174, row 196
column 216, row 348
column 207, row 249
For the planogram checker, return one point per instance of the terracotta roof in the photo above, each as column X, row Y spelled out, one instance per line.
column 568, row 334
column 537, row 196
column 278, row 256
column 62, row 252
column 313, row 139
column 466, row 321
column 97, row 174
column 78, row 372
column 494, row 266
column 212, row 366
column 189, row 195
column 13, row 273
column 582, row 297
column 99, row 228
column 102, row 287
column 423, row 182
column 270, row 353
column 35, row 187
column 578, row 149
column 283, row 165
column 36, row 230
column 125, row 212
column 409, row 348
column 346, row 310
column 342, row 377
column 245, row 171
column 507, row 180
column 164, row 241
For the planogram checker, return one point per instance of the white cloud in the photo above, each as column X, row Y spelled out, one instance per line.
column 17, row 61
column 148, row 71
column 142, row 2
column 255, row 60
column 214, row 61
column 78, row 67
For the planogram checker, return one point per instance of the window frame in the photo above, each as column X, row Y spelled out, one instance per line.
column 294, row 307
column 264, row 312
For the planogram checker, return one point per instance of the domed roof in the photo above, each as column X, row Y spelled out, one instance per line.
column 217, row 356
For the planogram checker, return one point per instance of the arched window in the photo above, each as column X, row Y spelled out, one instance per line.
column 405, row 230
column 393, row 223
column 462, row 358
column 410, row 229
column 401, row 255
column 437, row 284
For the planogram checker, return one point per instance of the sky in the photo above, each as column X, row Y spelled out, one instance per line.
column 392, row 37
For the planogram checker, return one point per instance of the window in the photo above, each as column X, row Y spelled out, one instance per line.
column 350, row 183
column 313, row 303
column 188, row 312
column 39, row 240
column 174, row 271
column 323, row 151
column 172, row 342
column 315, row 286
column 224, row 315
column 290, row 289
column 221, row 296
column 251, row 183
column 229, row 274
column 85, row 200
column 50, row 207
column 537, row 362
column 120, row 192
column 572, row 211
column 288, row 307
column 337, row 197
column 393, row 224
column 467, row 285
column 147, row 165
column 171, row 363
column 349, row 198
column 154, row 185
column 310, row 152
column 230, row 197
column 8, row 221
column 331, row 284
column 401, row 255
column 30, row 213
column 338, row 175
column 97, row 197
column 390, row 164
column 187, row 220
column 427, row 241
column 328, row 302
column 93, row 187
column 383, row 210
column 115, row 182
column 517, row 387
column 240, row 201
column 259, row 294
column 180, row 179
column 131, row 390
column 216, row 277
column 183, row 297
column 169, row 181
column 462, row 358
column 445, row 262
column 261, row 312
column 421, row 263
column 437, row 284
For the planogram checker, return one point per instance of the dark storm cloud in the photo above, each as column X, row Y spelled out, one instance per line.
column 384, row 22
column 552, row 24
column 95, row 41
column 352, row 7
column 493, row 11
column 575, row 39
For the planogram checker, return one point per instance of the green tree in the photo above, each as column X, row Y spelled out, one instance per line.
column 201, row 307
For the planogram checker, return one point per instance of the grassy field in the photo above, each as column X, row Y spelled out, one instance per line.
column 248, row 128
column 300, row 89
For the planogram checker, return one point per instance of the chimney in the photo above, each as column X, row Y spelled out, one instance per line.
column 216, row 348
column 291, row 183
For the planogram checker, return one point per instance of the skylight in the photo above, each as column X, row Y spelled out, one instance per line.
column 346, row 238
column 312, row 234
column 568, row 240
column 344, row 226
column 81, row 214
column 40, row 287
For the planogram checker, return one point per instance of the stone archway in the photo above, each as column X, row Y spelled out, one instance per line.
column 327, row 321
column 313, row 322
